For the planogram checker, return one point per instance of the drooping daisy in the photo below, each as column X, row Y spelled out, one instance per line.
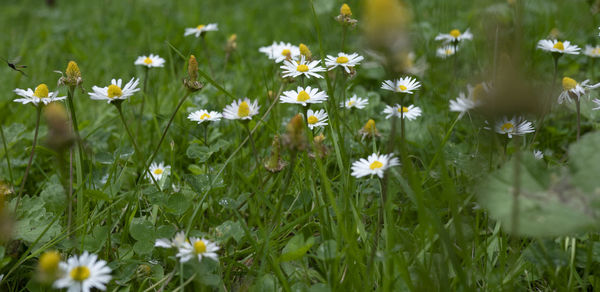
column 150, row 61
column 343, row 60
column 374, row 165
column 573, row 89
column 158, row 170
column 40, row 94
column 201, row 29
column 83, row 273
column 178, row 241
column 411, row 112
column 454, row 36
column 316, row 118
column 281, row 51
column 539, row 155
column 303, row 96
column 593, row 52
column 241, row 109
column 446, row 51
column 205, row 116
column 296, row 68
column 198, row 247
column 555, row 46
column 114, row 91
column 474, row 98
column 513, row 127
column 356, row 102
column 404, row 85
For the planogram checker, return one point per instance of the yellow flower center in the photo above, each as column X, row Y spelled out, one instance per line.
column 305, row 51
column 455, row 33
column 286, row 52
column 114, row 91
column 369, row 126
column 148, row 61
column 341, row 60
column 559, row 46
column 478, row 92
column 205, row 116
column 49, row 261
column 448, row 52
column 350, row 103
column 302, row 68
column 41, row 91
column 402, row 87
column 303, row 96
column 80, row 273
column 596, row 51
column 158, row 171
column 403, row 109
column 345, row 10
column 375, row 165
column 507, row 127
column 243, row 110
column 312, row 120
column 569, row 83
column 199, row 27
column 199, row 247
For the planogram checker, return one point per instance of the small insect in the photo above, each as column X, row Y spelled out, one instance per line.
column 14, row 64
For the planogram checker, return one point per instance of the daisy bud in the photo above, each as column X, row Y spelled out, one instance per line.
column 231, row 43
column 192, row 82
column 274, row 163
column 386, row 25
column 72, row 76
column 345, row 10
column 304, row 51
column 320, row 148
column 60, row 134
column 294, row 139
column 48, row 262
column 369, row 130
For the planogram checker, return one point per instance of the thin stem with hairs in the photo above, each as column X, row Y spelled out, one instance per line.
column 35, row 136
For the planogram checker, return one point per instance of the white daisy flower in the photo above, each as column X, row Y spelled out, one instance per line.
column 81, row 274
column 292, row 68
column 303, row 96
column 573, row 89
column 539, row 155
column 316, row 118
column 513, row 127
column 343, row 60
column 454, row 36
column 281, row 51
column 411, row 112
column 374, row 164
column 158, row 170
column 404, row 85
column 200, row 29
column 197, row 247
column 150, row 61
column 40, row 94
column 241, row 109
column 205, row 116
column 593, row 52
column 356, row 102
column 446, row 51
column 178, row 241
column 555, row 46
column 114, row 91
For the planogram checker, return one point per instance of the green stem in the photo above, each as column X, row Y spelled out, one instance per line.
column 144, row 92
column 78, row 156
column 10, row 175
column 35, row 136
column 258, row 169
column 578, row 104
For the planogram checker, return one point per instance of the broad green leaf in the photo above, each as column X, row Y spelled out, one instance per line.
column 327, row 250
column 229, row 229
column 296, row 248
column 142, row 230
column 200, row 153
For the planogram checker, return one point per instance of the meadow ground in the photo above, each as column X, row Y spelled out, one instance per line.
column 490, row 183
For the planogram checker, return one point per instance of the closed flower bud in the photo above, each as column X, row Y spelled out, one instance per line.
column 369, row 130
column 295, row 138
column 345, row 16
column 231, row 43
column 60, row 134
column 345, row 10
column 192, row 82
column 304, row 51
column 274, row 163
column 72, row 75
column 320, row 148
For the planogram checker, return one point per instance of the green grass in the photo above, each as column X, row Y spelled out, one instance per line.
column 446, row 223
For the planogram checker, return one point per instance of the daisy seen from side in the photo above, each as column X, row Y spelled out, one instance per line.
column 292, row 68
column 411, row 112
column 515, row 126
column 555, row 46
column 203, row 115
column 241, row 109
column 201, row 29
column 346, row 61
column 355, row 102
column 454, row 36
column 403, row 85
column 571, row 88
column 303, row 96
column 40, row 95
column 281, row 51
column 150, row 61
column 115, row 91
column 446, row 51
